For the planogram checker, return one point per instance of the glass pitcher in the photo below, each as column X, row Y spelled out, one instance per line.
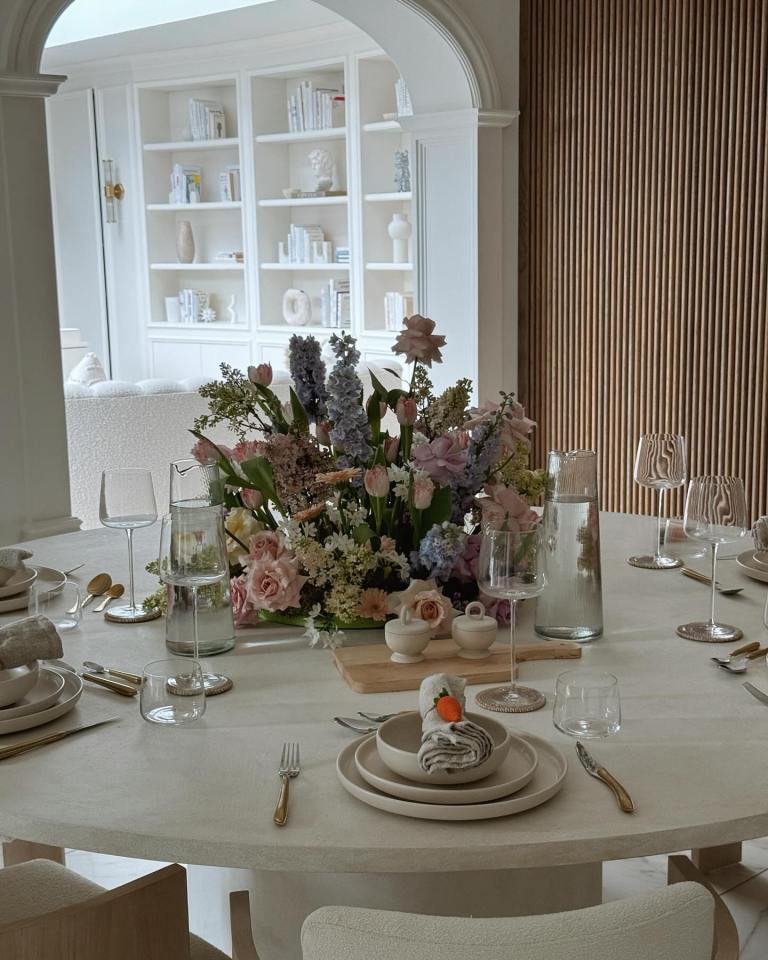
column 571, row 606
column 195, row 485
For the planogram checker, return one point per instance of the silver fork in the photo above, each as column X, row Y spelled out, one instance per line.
column 288, row 769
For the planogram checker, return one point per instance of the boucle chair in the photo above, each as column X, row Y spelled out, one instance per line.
column 50, row 913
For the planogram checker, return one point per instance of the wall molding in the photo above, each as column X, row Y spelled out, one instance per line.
column 30, row 85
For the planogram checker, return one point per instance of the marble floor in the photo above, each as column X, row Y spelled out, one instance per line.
column 744, row 886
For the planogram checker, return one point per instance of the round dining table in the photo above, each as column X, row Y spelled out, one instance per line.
column 691, row 751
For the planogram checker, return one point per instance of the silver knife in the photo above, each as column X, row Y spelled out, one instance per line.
column 594, row 769
column 13, row 750
column 756, row 693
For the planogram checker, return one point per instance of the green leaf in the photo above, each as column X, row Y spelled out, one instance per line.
column 300, row 418
column 259, row 472
column 363, row 533
column 439, row 510
column 378, row 387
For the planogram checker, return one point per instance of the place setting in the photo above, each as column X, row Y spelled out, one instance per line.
column 21, row 580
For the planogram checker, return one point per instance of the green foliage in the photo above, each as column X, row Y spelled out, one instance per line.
column 242, row 405
column 448, row 411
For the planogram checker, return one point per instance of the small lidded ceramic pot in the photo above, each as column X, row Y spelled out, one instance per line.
column 474, row 632
column 407, row 637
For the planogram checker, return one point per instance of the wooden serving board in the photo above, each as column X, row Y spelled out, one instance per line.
column 368, row 669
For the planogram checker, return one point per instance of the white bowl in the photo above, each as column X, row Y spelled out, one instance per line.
column 18, row 582
column 398, row 741
column 17, row 682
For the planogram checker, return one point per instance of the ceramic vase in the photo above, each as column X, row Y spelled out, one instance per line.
column 185, row 242
column 400, row 229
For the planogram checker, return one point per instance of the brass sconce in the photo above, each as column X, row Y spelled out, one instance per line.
column 112, row 192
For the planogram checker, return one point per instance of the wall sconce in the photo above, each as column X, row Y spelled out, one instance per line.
column 112, row 192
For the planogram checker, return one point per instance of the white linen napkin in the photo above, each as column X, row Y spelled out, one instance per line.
column 449, row 746
column 34, row 638
column 11, row 560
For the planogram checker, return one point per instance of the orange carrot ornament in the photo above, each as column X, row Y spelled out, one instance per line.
column 448, row 707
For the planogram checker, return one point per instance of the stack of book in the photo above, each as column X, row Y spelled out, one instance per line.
column 206, row 120
column 396, row 307
column 311, row 108
column 186, row 184
column 306, row 245
column 403, row 99
column 229, row 184
column 192, row 305
column 342, row 254
column 334, row 303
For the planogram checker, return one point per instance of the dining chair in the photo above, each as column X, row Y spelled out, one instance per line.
column 48, row 912
column 687, row 921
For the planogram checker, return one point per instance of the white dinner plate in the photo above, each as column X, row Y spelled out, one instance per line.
column 73, row 687
column 18, row 583
column 748, row 565
column 516, row 770
column 44, row 694
column 548, row 781
column 48, row 578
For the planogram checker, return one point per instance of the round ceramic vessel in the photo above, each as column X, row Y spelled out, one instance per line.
column 474, row 632
column 17, row 682
column 407, row 637
column 398, row 741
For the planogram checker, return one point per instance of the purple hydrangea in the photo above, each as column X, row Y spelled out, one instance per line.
column 351, row 432
column 440, row 550
column 308, row 375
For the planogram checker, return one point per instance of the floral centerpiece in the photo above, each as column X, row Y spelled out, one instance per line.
column 341, row 510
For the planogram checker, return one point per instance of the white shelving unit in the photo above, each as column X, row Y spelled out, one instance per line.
column 271, row 160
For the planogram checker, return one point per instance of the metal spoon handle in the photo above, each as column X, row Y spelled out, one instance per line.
column 124, row 675
column 114, row 685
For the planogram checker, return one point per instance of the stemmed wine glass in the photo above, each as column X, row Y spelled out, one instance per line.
column 127, row 502
column 193, row 554
column 660, row 465
column 511, row 567
column 715, row 512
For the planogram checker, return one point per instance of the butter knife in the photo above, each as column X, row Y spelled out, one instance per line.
column 756, row 693
column 594, row 769
column 124, row 689
column 13, row 750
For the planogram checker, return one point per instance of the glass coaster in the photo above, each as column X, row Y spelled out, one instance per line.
column 706, row 632
column 511, row 699
column 215, row 683
column 655, row 563
column 129, row 614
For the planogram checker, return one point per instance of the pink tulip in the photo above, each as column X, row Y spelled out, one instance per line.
column 252, row 499
column 405, row 411
column 261, row 375
column 391, row 448
column 376, row 481
column 423, row 491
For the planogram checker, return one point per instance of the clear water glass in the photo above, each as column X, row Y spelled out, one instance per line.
column 511, row 567
column 62, row 606
column 675, row 542
column 587, row 704
column 715, row 513
column 172, row 691
column 659, row 465
column 127, row 502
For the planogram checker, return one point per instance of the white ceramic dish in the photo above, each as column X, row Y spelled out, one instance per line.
column 16, row 682
column 760, row 560
column 44, row 694
column 73, row 687
column 399, row 738
column 52, row 580
column 548, row 781
column 18, row 583
column 747, row 564
column 515, row 772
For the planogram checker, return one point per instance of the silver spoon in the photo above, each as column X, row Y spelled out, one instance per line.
column 352, row 724
column 94, row 667
column 695, row 575
column 747, row 648
column 741, row 663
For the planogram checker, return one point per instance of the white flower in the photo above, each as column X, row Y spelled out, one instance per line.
column 340, row 541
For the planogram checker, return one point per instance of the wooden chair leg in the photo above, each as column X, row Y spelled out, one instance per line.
column 712, row 858
column 726, row 940
column 19, row 851
column 243, row 947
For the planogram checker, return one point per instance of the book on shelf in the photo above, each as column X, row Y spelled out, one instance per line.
column 397, row 306
column 342, row 254
column 229, row 256
column 229, row 184
column 305, row 244
column 207, row 120
column 403, row 99
column 335, row 304
column 186, row 184
column 193, row 305
column 312, row 108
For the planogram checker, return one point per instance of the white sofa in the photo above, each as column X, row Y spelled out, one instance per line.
column 114, row 424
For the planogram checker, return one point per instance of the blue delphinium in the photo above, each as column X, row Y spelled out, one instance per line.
column 439, row 550
column 482, row 453
column 308, row 375
column 351, row 431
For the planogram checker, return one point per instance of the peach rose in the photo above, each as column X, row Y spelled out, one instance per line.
column 431, row 606
column 274, row 584
column 266, row 545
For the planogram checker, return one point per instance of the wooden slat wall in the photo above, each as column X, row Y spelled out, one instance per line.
column 644, row 233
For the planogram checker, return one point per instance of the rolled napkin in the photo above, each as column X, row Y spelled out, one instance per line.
column 11, row 560
column 449, row 741
column 34, row 638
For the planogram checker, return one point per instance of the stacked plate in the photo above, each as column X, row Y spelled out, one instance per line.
column 753, row 565
column 382, row 770
column 51, row 694
column 14, row 594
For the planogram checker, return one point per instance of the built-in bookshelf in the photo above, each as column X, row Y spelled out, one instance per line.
column 350, row 278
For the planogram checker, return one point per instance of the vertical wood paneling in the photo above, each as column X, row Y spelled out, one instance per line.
column 644, row 233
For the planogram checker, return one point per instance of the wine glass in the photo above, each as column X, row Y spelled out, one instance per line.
column 660, row 465
column 715, row 512
column 511, row 567
column 127, row 502
column 193, row 554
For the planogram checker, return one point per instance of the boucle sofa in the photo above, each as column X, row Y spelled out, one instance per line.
column 114, row 424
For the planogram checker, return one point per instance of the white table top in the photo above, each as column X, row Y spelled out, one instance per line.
column 692, row 751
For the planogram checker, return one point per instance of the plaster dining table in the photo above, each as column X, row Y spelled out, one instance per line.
column 692, row 751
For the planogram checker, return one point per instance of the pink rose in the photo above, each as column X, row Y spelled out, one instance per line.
column 261, row 375
column 265, row 545
column 274, row 584
column 442, row 458
column 515, row 426
column 497, row 608
column 252, row 499
column 418, row 342
column 376, row 482
column 242, row 614
column 431, row 606
column 505, row 509
column 423, row 491
column 465, row 567
column 405, row 411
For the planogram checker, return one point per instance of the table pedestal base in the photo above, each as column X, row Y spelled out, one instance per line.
column 281, row 901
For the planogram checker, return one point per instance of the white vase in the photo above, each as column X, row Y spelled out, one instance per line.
column 400, row 229
column 185, row 242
